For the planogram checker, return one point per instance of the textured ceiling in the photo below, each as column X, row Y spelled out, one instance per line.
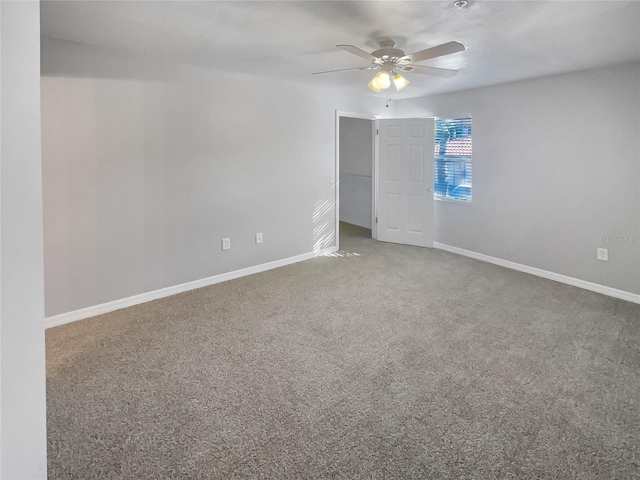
column 505, row 40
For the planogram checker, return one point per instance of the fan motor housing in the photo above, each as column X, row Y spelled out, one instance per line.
column 388, row 54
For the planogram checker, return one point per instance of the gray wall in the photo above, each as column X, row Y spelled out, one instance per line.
column 356, row 167
column 23, row 435
column 147, row 166
column 556, row 170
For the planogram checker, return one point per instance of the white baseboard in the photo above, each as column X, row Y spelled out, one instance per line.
column 89, row 312
column 576, row 282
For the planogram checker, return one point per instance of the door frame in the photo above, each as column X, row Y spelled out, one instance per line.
column 374, row 166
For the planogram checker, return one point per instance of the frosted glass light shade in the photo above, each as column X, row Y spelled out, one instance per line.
column 382, row 80
column 399, row 81
column 373, row 86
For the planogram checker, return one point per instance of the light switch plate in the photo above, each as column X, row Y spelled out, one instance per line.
column 226, row 243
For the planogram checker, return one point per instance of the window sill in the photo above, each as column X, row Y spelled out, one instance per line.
column 452, row 200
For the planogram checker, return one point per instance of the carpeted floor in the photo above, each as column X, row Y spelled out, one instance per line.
column 383, row 361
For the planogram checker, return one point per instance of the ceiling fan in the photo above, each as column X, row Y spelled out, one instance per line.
column 390, row 60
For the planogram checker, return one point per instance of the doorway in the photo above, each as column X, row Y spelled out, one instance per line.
column 355, row 157
column 384, row 172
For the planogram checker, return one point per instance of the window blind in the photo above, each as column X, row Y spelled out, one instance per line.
column 452, row 158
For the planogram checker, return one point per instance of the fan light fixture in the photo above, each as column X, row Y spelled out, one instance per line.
column 382, row 81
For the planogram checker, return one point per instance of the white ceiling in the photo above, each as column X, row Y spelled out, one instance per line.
column 505, row 40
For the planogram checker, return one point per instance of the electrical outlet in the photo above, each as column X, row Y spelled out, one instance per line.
column 259, row 237
column 226, row 243
column 603, row 254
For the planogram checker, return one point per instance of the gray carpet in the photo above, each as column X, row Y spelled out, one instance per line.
column 384, row 361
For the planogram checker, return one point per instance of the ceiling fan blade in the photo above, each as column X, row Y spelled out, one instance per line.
column 438, row 72
column 361, row 53
column 433, row 52
column 343, row 70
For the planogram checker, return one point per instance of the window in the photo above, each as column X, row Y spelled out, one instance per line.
column 452, row 159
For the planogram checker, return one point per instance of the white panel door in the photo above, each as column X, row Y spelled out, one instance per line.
column 405, row 181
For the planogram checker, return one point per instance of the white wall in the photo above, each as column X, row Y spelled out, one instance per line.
column 556, row 170
column 147, row 166
column 356, row 167
column 23, row 447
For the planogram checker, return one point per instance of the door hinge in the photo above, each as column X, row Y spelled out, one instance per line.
column 376, row 219
column 377, row 132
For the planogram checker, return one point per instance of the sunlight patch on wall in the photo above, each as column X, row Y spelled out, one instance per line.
column 324, row 234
